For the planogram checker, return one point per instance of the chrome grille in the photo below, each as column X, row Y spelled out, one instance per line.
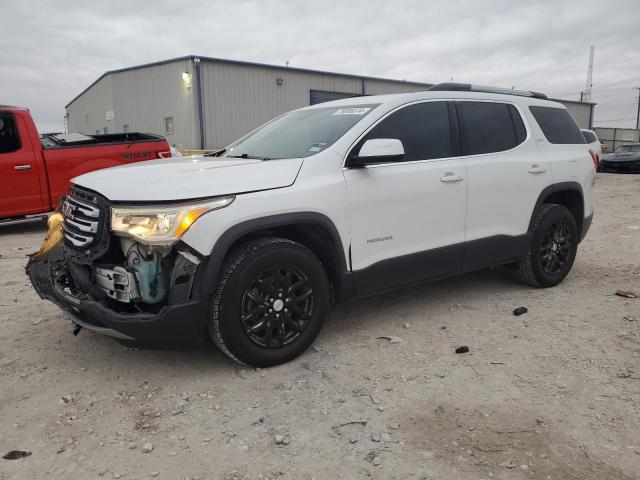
column 81, row 222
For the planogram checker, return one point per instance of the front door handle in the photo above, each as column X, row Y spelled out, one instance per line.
column 537, row 169
column 26, row 166
column 451, row 177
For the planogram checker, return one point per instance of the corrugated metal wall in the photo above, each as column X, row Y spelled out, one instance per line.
column 238, row 98
column 380, row 87
column 581, row 112
column 612, row 138
column 145, row 97
column 87, row 114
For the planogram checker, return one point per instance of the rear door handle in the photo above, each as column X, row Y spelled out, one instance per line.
column 451, row 177
column 26, row 166
column 537, row 169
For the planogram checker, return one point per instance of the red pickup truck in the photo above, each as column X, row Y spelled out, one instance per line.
column 35, row 171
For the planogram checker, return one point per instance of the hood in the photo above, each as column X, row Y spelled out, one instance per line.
column 185, row 178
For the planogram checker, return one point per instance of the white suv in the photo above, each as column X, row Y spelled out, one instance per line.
column 319, row 205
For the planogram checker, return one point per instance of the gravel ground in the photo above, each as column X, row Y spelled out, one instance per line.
column 552, row 394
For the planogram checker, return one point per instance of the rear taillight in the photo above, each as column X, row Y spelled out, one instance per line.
column 595, row 158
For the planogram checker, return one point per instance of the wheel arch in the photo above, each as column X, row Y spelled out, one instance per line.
column 311, row 229
column 567, row 194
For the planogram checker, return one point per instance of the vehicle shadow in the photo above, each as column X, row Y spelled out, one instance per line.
column 355, row 321
column 386, row 312
column 24, row 228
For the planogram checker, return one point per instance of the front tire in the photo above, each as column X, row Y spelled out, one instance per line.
column 270, row 302
column 553, row 247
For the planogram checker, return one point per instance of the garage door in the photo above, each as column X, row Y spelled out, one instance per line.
column 320, row 96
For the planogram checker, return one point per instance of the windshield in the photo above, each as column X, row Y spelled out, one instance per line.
column 299, row 134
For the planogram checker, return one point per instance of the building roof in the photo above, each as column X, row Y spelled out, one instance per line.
column 251, row 64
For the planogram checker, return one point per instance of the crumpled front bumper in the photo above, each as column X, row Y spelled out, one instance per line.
column 175, row 324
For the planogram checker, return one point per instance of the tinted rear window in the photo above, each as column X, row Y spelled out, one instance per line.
column 488, row 127
column 589, row 137
column 557, row 125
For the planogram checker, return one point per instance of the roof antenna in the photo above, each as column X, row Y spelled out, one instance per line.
column 286, row 62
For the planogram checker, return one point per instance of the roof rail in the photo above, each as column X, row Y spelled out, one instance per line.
column 467, row 87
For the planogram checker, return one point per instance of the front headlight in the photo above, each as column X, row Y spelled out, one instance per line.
column 163, row 224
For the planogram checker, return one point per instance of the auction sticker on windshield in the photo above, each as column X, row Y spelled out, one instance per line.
column 352, row 111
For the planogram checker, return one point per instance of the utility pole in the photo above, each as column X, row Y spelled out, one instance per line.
column 587, row 92
column 638, row 114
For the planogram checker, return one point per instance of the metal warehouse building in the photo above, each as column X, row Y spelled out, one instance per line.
column 206, row 103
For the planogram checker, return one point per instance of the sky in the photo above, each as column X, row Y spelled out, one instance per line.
column 53, row 49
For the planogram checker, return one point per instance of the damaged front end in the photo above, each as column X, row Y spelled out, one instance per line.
column 113, row 284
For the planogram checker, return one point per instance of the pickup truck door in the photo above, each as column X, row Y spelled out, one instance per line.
column 407, row 217
column 20, row 189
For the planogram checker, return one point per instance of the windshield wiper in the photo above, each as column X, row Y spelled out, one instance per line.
column 246, row 155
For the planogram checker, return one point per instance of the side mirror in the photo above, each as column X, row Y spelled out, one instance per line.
column 378, row 150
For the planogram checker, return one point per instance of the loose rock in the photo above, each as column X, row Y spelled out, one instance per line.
column 147, row 448
column 520, row 310
column 16, row 454
column 626, row 294
column 391, row 338
column 507, row 464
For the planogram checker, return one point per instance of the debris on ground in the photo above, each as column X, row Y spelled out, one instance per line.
column 354, row 422
column 462, row 349
column 629, row 318
column 147, row 448
column 520, row 310
column 391, row 338
column 373, row 458
column 281, row 440
column 626, row 294
column 16, row 454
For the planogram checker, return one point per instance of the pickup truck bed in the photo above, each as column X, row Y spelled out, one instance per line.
column 36, row 171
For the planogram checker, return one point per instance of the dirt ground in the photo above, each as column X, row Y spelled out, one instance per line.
column 552, row 394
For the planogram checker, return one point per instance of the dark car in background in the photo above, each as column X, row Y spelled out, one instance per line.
column 624, row 159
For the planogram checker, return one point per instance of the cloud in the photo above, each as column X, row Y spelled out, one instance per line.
column 53, row 51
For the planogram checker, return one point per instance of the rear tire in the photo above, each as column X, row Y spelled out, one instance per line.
column 552, row 249
column 270, row 302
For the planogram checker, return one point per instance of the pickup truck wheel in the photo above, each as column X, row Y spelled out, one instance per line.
column 553, row 247
column 270, row 302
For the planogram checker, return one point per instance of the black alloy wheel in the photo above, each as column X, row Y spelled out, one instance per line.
column 555, row 249
column 552, row 249
column 270, row 302
column 276, row 306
